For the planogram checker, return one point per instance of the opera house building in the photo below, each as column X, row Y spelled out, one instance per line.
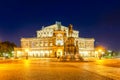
column 55, row 40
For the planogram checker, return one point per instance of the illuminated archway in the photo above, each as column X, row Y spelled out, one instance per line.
column 59, row 52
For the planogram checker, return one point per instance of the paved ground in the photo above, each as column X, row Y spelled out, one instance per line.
column 40, row 69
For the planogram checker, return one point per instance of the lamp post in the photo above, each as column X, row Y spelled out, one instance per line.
column 100, row 53
column 26, row 53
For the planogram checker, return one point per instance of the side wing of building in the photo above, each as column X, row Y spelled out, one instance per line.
column 39, row 47
column 86, row 46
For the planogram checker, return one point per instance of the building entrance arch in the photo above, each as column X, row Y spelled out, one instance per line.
column 59, row 52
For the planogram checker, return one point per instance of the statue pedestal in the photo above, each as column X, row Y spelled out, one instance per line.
column 71, row 58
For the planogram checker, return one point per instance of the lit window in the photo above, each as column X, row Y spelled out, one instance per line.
column 46, row 44
column 50, row 44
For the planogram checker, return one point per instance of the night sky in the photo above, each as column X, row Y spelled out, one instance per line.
column 99, row 19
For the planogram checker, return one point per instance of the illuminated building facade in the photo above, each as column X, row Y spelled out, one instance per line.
column 55, row 40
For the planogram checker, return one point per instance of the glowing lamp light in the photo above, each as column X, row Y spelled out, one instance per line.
column 26, row 63
column 99, row 50
column 26, row 50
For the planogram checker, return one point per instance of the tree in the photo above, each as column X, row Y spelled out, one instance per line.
column 6, row 47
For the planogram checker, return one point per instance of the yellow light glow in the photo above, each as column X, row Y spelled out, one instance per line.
column 96, row 52
column 59, row 52
column 99, row 61
column 26, row 62
column 99, row 50
column 26, row 50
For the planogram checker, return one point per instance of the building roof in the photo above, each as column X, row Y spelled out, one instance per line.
column 55, row 26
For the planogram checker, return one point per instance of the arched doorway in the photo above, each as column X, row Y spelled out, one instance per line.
column 59, row 52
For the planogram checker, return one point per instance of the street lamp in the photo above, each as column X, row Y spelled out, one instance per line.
column 26, row 53
column 100, row 53
column 100, row 50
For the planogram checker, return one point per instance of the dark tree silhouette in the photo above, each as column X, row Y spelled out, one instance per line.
column 6, row 47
